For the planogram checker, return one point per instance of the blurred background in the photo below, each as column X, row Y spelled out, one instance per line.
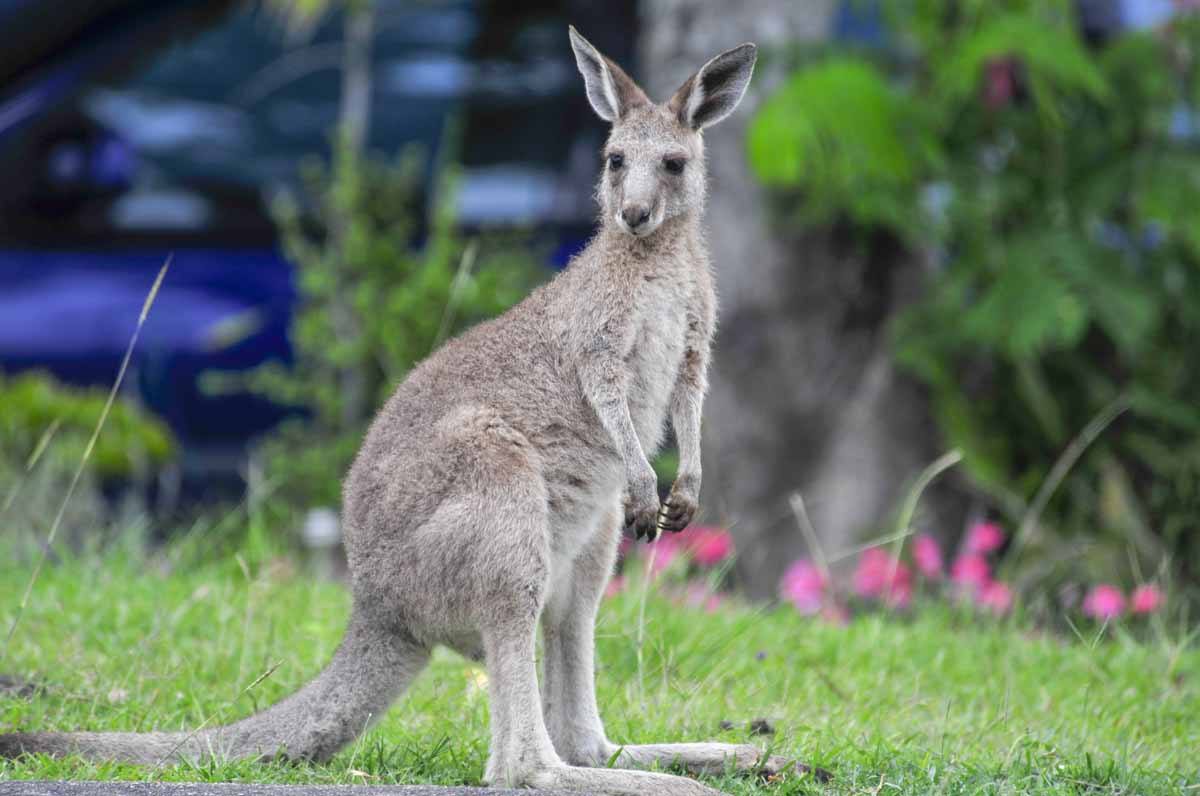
column 937, row 225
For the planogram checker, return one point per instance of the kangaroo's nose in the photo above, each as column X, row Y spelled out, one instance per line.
column 635, row 215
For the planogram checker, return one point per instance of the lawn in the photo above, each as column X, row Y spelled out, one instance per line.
column 939, row 703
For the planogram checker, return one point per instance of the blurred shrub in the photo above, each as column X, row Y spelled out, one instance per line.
column 132, row 442
column 380, row 288
column 44, row 429
column 1054, row 189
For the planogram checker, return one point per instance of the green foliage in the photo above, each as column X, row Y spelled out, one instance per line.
column 856, row 156
column 380, row 288
column 1040, row 178
column 34, row 405
column 45, row 428
column 1056, row 63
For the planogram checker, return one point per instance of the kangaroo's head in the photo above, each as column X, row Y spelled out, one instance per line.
column 654, row 157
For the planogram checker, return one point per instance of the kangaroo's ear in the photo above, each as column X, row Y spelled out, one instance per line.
column 609, row 89
column 711, row 94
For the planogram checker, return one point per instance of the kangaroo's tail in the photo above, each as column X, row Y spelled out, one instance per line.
column 370, row 669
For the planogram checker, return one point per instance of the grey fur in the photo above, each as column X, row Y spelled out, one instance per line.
column 489, row 493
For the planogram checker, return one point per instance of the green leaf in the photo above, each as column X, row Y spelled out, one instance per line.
column 1029, row 309
column 839, row 132
column 1167, row 194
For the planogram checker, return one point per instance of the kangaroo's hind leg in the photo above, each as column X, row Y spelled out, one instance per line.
column 522, row 754
column 568, row 632
column 511, row 591
column 569, row 695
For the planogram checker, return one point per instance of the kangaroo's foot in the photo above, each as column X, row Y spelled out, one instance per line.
column 712, row 758
column 611, row 782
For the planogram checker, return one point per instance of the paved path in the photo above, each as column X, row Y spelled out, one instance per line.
column 17, row 788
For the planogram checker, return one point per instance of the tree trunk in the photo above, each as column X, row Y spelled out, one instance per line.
column 804, row 395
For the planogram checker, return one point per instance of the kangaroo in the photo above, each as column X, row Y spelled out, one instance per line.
column 490, row 492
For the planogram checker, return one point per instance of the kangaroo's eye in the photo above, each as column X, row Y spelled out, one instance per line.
column 616, row 160
column 674, row 165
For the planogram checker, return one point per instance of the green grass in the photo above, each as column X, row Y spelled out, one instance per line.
column 937, row 704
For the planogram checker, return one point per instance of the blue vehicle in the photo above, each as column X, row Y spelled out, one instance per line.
column 131, row 130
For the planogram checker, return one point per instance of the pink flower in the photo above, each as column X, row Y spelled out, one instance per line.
column 710, row 546
column 999, row 82
column 878, row 575
column 927, row 555
column 996, row 597
column 615, row 586
column 835, row 614
column 1104, row 602
column 699, row 595
column 1146, row 599
column 971, row 572
column 900, row 595
column 984, row 537
column 871, row 574
column 803, row 585
column 663, row 551
column 696, row 594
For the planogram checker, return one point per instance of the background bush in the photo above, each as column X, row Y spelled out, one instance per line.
column 44, row 429
column 134, row 441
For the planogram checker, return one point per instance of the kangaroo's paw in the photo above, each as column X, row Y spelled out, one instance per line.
column 678, row 510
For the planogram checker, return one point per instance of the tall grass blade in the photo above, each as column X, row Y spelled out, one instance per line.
column 908, row 508
column 1058, row 473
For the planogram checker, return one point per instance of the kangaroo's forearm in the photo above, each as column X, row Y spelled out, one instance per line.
column 686, row 411
column 606, row 391
column 687, row 402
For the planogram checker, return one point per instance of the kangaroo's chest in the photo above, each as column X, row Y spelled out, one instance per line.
column 656, row 355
